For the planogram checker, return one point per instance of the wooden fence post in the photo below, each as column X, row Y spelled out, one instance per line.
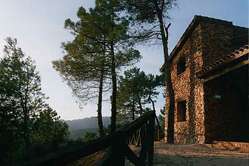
column 151, row 141
column 118, row 150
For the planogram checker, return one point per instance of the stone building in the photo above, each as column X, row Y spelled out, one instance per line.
column 209, row 70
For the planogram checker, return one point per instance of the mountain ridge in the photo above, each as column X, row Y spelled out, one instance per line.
column 79, row 127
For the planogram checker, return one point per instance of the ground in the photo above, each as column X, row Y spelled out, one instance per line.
column 183, row 155
column 197, row 155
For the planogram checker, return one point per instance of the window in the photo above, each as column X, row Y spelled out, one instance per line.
column 181, row 111
column 181, row 65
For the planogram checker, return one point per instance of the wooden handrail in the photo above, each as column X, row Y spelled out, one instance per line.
column 117, row 141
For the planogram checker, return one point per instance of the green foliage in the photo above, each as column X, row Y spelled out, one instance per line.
column 88, row 136
column 85, row 66
column 146, row 17
column 20, row 96
column 151, row 16
column 100, row 48
column 136, row 90
column 22, row 106
column 49, row 129
column 145, row 11
column 88, row 55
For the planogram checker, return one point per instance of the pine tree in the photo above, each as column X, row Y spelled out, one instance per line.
column 100, row 48
column 149, row 19
column 22, row 104
column 135, row 92
column 20, row 88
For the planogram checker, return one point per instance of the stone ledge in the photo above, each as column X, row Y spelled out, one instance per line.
column 242, row 147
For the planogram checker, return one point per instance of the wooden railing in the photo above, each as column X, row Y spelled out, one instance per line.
column 140, row 132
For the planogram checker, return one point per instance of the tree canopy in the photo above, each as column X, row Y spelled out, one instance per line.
column 23, row 107
column 149, row 18
column 100, row 48
column 136, row 91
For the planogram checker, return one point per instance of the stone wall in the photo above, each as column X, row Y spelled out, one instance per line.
column 208, row 41
column 187, row 87
column 240, row 37
column 219, row 38
column 216, row 40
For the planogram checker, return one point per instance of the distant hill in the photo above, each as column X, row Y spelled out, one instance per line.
column 79, row 127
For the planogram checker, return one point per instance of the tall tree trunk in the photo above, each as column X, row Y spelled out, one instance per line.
column 170, row 91
column 167, row 71
column 169, row 88
column 154, row 109
column 133, row 110
column 141, row 110
column 114, row 90
column 99, row 111
column 153, row 104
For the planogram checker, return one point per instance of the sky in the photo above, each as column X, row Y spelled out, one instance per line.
column 39, row 29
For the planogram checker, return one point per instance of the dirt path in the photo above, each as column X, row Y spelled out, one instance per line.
column 183, row 155
column 196, row 155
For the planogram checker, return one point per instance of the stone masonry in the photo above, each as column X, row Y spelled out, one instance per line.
column 205, row 41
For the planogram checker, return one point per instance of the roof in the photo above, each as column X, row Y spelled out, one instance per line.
column 196, row 20
column 240, row 54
